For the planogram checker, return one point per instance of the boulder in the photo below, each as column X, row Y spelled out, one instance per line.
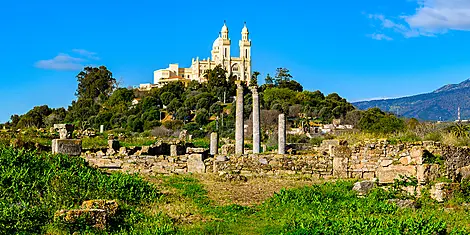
column 96, row 218
column 463, row 173
column 363, row 187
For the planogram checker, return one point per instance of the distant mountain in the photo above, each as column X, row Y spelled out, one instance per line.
column 441, row 104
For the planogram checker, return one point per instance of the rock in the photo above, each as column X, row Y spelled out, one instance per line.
column 416, row 155
column 123, row 151
column 221, row 158
column 67, row 146
column 403, row 203
column 196, row 163
column 386, row 162
column 228, row 149
column 363, row 187
column 145, row 150
column 388, row 174
column 438, row 192
column 194, row 150
column 110, row 206
column 405, row 160
column 463, row 173
column 96, row 218
column 263, row 161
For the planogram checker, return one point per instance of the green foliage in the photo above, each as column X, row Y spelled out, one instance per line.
column 33, row 187
column 94, row 83
column 459, row 130
column 375, row 121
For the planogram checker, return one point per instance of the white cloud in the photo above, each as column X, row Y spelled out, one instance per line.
column 441, row 15
column 380, row 36
column 61, row 62
column 431, row 17
column 88, row 54
column 67, row 62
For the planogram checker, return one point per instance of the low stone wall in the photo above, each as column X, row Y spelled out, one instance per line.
column 333, row 159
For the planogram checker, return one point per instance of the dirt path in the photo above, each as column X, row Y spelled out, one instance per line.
column 254, row 191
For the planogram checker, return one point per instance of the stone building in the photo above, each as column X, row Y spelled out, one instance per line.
column 240, row 67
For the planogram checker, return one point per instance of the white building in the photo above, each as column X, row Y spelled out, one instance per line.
column 239, row 67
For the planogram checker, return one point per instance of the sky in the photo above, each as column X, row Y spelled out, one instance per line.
column 363, row 49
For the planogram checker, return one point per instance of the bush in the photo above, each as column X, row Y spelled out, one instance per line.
column 33, row 187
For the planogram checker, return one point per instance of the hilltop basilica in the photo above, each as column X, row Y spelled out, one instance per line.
column 240, row 67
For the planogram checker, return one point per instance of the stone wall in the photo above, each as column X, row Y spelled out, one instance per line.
column 333, row 159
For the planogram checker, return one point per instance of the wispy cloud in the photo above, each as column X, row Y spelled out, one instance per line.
column 380, row 37
column 431, row 17
column 65, row 61
column 88, row 54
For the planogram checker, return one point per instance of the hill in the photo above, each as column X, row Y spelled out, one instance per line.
column 441, row 104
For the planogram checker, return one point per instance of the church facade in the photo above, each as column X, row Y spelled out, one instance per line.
column 239, row 67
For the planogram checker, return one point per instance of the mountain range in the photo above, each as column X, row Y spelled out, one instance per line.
column 441, row 104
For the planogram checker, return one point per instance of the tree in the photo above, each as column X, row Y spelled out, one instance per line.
column 293, row 85
column 94, row 83
column 377, row 121
column 167, row 97
column 254, row 78
column 174, row 105
column 202, row 117
column 269, row 80
column 282, row 75
column 121, row 96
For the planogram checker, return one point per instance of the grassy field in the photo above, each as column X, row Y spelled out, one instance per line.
column 34, row 186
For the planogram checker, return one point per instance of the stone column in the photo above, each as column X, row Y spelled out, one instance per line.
column 214, row 147
column 282, row 134
column 256, row 124
column 239, row 126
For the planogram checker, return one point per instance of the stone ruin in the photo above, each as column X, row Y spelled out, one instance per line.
column 65, row 144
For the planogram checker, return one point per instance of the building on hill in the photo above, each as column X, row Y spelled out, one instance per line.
column 239, row 67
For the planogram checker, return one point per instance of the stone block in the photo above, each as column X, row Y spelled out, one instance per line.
column 194, row 150
column 72, row 147
column 416, row 155
column 388, row 174
column 228, row 149
column 340, row 167
column 196, row 163
column 173, row 150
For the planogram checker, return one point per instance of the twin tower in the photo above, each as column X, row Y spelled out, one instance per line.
column 240, row 67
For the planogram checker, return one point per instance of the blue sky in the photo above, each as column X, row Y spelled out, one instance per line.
column 360, row 49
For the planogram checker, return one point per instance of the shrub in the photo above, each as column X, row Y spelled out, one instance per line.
column 33, row 187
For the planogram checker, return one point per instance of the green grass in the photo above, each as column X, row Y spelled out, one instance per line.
column 33, row 186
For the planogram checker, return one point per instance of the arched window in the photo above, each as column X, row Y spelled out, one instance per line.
column 246, row 53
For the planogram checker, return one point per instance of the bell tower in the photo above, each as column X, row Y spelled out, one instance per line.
column 245, row 54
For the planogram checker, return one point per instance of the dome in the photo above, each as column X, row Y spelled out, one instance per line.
column 217, row 43
column 245, row 29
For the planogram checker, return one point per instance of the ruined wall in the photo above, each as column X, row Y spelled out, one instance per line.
column 332, row 159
